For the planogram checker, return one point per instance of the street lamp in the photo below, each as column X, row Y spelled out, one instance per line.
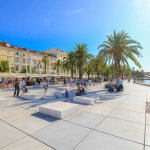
column 40, row 67
column 30, row 69
column 9, row 67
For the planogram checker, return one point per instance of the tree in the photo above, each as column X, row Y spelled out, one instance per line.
column 99, row 66
column 45, row 61
column 82, row 57
column 89, row 68
column 4, row 66
column 118, row 49
column 69, row 63
column 57, row 66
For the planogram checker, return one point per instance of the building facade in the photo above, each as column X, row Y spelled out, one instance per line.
column 21, row 59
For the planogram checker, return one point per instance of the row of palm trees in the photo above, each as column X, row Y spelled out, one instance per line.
column 112, row 59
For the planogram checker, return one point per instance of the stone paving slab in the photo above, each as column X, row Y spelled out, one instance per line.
column 147, row 148
column 62, row 135
column 97, row 140
column 147, row 138
column 103, row 109
column 9, row 134
column 9, row 108
column 125, row 129
column 30, row 124
column 148, row 118
column 135, row 102
column 132, row 108
column 129, row 115
column 86, row 119
column 11, row 116
column 27, row 143
column 6, row 103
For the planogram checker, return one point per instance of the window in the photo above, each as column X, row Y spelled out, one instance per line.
column 17, row 53
column 23, row 54
column 28, row 55
column 17, row 67
column 23, row 61
column 8, row 58
column 16, row 60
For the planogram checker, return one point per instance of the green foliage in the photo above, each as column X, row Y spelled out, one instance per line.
column 69, row 63
column 82, row 57
column 57, row 66
column 118, row 49
column 4, row 66
column 45, row 61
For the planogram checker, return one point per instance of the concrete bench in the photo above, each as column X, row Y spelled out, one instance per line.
column 85, row 100
column 29, row 96
column 58, row 109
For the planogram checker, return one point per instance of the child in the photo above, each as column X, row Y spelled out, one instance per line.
column 66, row 93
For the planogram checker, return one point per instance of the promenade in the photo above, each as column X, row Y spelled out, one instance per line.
column 117, row 122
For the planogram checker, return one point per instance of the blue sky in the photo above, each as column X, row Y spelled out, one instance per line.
column 47, row 24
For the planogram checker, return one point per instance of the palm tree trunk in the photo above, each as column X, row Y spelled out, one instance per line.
column 45, row 68
column 116, row 69
column 88, row 76
column 80, row 73
column 72, row 73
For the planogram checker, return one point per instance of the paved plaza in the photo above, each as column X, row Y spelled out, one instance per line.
column 118, row 121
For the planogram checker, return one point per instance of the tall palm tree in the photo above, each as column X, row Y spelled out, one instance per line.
column 99, row 65
column 89, row 68
column 118, row 49
column 46, row 61
column 69, row 63
column 57, row 66
column 82, row 57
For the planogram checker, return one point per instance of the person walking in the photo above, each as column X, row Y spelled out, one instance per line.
column 17, row 87
column 45, row 86
column 66, row 93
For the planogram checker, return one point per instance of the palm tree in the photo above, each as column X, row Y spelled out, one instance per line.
column 69, row 63
column 46, row 61
column 99, row 65
column 89, row 68
column 82, row 57
column 118, row 49
column 57, row 66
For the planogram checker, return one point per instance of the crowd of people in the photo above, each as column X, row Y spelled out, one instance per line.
column 22, row 83
column 116, row 86
column 6, row 82
column 81, row 85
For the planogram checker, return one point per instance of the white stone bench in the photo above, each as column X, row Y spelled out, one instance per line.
column 29, row 96
column 58, row 109
column 85, row 100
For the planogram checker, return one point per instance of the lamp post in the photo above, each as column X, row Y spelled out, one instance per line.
column 9, row 67
column 40, row 67
column 30, row 69
column 26, row 67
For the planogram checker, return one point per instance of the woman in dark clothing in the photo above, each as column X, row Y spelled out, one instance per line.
column 17, row 87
